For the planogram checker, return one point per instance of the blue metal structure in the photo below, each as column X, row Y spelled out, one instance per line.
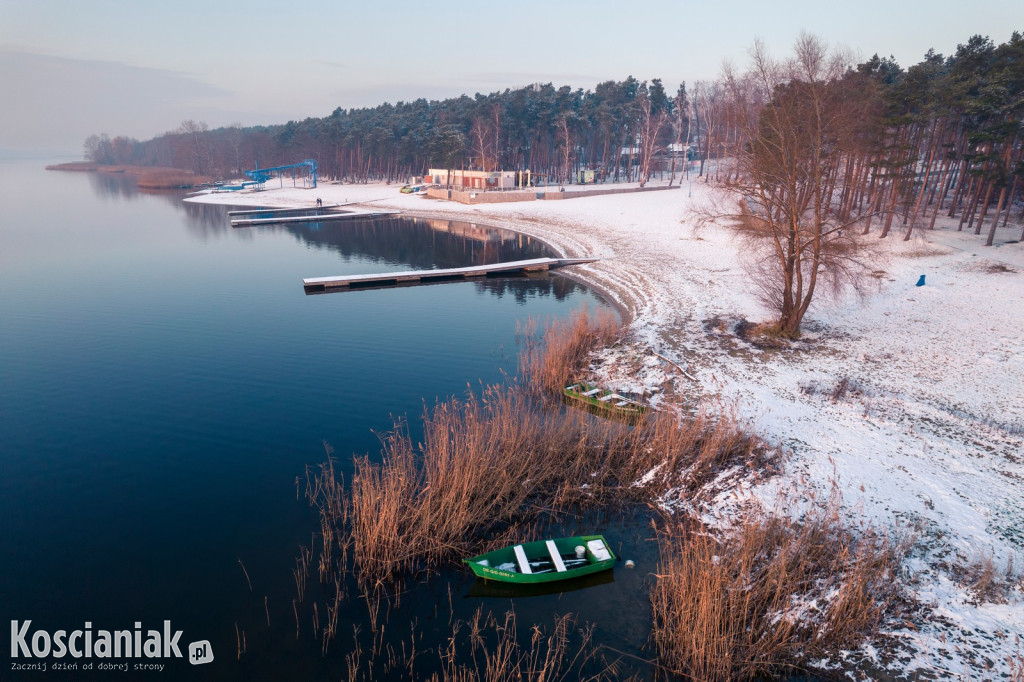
column 261, row 175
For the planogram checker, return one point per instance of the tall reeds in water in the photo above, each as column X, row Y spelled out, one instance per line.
column 770, row 594
column 485, row 648
column 492, row 464
column 556, row 353
column 489, row 648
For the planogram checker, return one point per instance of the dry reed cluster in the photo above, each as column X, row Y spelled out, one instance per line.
column 986, row 580
column 167, row 178
column 488, row 648
column 558, row 353
column 773, row 593
column 494, row 466
column 149, row 177
column 490, row 466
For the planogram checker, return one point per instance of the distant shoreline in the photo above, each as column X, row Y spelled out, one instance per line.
column 149, row 177
column 74, row 166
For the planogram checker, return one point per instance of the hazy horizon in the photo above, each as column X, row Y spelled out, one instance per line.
column 70, row 70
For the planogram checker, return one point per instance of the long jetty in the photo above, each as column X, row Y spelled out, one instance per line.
column 314, row 285
column 285, row 210
column 319, row 217
column 282, row 210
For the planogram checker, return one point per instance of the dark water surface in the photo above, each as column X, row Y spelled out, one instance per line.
column 164, row 380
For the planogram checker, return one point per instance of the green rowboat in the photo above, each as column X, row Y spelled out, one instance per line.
column 545, row 561
column 604, row 402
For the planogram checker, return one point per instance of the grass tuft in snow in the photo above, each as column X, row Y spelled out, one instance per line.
column 987, row 581
column 1016, row 663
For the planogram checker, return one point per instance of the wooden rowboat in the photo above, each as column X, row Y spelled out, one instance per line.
column 604, row 402
column 545, row 560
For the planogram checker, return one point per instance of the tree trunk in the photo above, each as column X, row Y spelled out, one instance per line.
column 984, row 208
column 957, row 179
column 891, row 213
column 995, row 218
column 1009, row 202
column 924, row 183
column 875, row 203
column 972, row 194
column 936, row 197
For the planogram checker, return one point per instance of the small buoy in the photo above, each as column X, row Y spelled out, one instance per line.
column 629, row 563
column 581, row 551
column 920, row 282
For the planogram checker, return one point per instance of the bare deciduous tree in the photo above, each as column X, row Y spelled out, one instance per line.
column 481, row 135
column 707, row 106
column 681, row 124
column 793, row 119
column 98, row 149
column 652, row 121
column 565, row 142
column 195, row 143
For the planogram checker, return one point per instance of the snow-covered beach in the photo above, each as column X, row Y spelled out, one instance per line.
column 911, row 400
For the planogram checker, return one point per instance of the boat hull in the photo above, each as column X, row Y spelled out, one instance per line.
column 604, row 403
column 496, row 565
column 499, row 589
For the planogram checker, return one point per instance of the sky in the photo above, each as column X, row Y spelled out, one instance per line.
column 70, row 68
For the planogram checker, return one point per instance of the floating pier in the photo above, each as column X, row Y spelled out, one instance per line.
column 284, row 210
column 320, row 217
column 314, row 285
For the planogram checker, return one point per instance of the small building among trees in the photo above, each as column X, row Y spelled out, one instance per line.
column 478, row 180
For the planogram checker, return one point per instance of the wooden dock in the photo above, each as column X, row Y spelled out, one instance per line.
column 314, row 285
column 319, row 217
column 284, row 210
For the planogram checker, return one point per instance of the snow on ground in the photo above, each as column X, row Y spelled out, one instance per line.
column 929, row 433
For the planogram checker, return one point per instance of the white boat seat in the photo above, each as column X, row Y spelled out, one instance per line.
column 606, row 398
column 621, row 403
column 556, row 558
column 524, row 564
column 599, row 551
column 593, row 391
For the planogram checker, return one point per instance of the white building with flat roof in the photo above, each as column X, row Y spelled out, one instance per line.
column 477, row 180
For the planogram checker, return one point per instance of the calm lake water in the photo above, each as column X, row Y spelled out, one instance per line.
column 163, row 381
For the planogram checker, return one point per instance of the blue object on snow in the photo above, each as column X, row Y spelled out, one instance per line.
column 920, row 282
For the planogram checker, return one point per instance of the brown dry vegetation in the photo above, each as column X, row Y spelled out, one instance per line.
column 1017, row 664
column 986, row 580
column 74, row 166
column 562, row 655
column 558, row 354
column 487, row 648
column 490, row 466
column 493, row 467
column 771, row 594
column 169, row 178
column 147, row 177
